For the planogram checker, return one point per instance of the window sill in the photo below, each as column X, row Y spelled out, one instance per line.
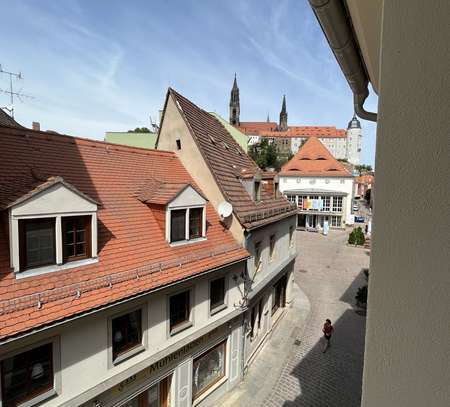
column 38, row 399
column 128, row 354
column 217, row 309
column 181, row 327
column 54, row 267
column 191, row 241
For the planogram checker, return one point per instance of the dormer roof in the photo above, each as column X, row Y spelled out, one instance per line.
column 162, row 193
column 314, row 159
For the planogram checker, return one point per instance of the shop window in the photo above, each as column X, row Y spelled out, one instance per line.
column 217, row 295
column 326, row 203
column 37, row 242
column 258, row 256
column 76, row 237
column 336, row 221
column 272, row 245
column 179, row 310
column 27, row 376
column 126, row 334
column 208, row 369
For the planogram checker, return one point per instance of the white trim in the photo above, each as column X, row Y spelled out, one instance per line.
column 186, row 226
column 55, row 267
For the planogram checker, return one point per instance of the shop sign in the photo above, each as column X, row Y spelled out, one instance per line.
column 141, row 377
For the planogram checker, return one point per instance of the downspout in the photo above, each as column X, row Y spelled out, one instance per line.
column 336, row 26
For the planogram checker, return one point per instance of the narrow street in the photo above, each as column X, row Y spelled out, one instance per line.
column 329, row 273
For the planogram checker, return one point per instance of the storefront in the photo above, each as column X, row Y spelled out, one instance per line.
column 186, row 377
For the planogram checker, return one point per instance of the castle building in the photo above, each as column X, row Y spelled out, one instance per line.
column 343, row 144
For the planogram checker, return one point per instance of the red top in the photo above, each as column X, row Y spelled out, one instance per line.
column 327, row 329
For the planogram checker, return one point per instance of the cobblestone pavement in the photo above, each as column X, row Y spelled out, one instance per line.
column 329, row 273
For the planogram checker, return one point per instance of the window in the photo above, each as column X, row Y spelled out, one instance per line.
column 208, row 369
column 257, row 256
column 178, row 141
column 179, row 305
column 37, row 242
column 279, row 294
column 326, row 203
column 291, row 198
column 177, row 225
column 257, row 191
column 260, row 311
column 179, row 230
column 337, row 203
column 300, row 201
column 76, row 237
column 217, row 294
column 126, row 333
column 272, row 247
column 291, row 236
column 195, row 223
column 27, row 375
column 252, row 321
column 336, row 221
column 276, row 187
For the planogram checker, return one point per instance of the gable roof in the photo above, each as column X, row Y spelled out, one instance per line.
column 314, row 159
column 133, row 254
column 8, row 121
column 228, row 164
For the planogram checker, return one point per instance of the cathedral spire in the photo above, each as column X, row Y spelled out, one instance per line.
column 268, row 118
column 283, row 116
column 234, row 104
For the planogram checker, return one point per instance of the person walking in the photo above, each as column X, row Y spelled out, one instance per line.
column 327, row 332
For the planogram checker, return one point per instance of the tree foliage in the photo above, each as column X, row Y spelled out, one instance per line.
column 363, row 168
column 356, row 237
column 140, row 130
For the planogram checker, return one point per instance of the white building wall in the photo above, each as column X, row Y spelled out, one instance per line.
column 335, row 184
column 354, row 145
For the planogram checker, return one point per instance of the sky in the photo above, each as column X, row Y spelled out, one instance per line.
column 97, row 66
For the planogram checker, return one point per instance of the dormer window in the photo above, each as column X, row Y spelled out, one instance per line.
column 186, row 224
column 52, row 227
column 257, row 191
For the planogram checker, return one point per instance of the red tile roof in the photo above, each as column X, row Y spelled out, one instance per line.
column 134, row 256
column 314, row 159
column 7, row 121
column 365, row 179
column 229, row 164
column 161, row 193
column 265, row 129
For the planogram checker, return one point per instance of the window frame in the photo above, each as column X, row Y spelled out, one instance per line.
column 88, row 238
column 189, row 321
column 224, row 305
column 258, row 256
column 22, row 242
column 187, row 238
column 55, row 389
column 134, row 350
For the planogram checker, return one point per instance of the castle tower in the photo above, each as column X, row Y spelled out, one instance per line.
column 283, row 126
column 234, row 104
column 354, row 141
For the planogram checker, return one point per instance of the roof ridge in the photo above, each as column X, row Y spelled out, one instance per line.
column 66, row 138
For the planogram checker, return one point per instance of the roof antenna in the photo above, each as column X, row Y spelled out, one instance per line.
column 10, row 92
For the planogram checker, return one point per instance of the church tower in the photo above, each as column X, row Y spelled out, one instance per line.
column 234, row 104
column 354, row 141
column 283, row 126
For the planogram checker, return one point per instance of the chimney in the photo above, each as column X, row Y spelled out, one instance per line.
column 36, row 126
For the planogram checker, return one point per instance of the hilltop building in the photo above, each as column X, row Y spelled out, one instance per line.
column 343, row 144
column 319, row 185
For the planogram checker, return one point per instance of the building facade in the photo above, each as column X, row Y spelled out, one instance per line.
column 259, row 218
column 120, row 286
column 319, row 185
column 132, row 139
column 343, row 144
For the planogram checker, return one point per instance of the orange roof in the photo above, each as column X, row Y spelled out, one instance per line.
column 266, row 129
column 314, row 159
column 134, row 256
column 365, row 179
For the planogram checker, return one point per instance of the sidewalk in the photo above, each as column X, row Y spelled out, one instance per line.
column 266, row 369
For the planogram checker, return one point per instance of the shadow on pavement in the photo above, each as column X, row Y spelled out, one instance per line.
column 334, row 378
column 350, row 292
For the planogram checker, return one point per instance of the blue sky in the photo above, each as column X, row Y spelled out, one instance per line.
column 96, row 66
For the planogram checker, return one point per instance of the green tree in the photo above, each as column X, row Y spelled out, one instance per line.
column 140, row 130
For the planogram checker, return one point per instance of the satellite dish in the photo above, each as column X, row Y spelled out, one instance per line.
column 225, row 209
